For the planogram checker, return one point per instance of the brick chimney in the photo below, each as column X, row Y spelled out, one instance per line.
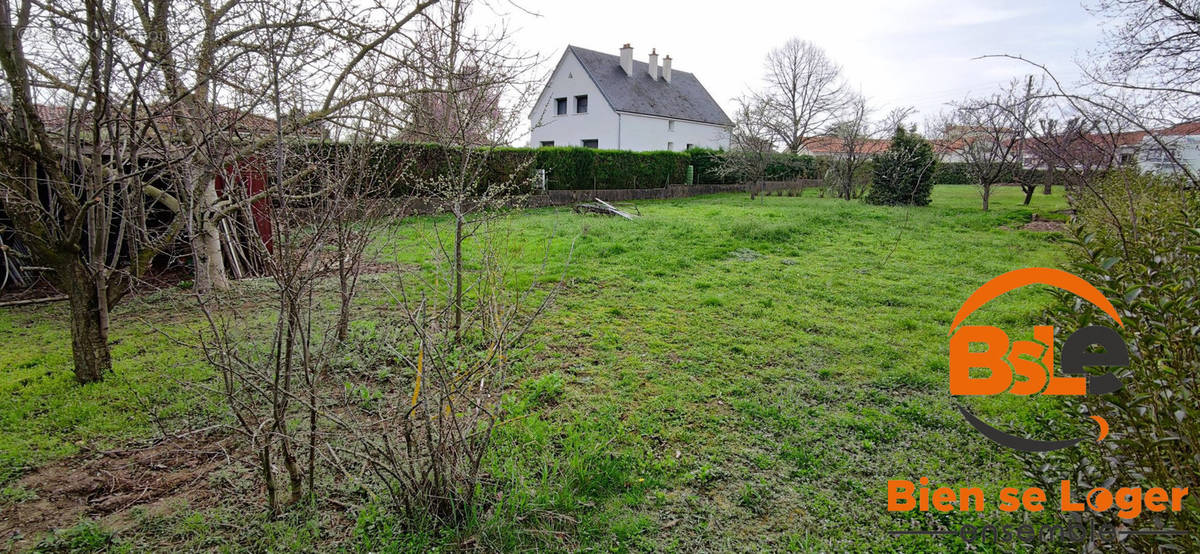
column 627, row 59
column 666, row 71
column 653, row 64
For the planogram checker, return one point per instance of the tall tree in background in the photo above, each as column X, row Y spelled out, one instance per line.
column 467, row 73
column 751, row 145
column 854, row 135
column 990, row 133
column 803, row 92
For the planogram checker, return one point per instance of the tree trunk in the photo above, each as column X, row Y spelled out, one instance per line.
column 1029, row 190
column 343, row 323
column 89, row 331
column 458, row 265
column 987, row 194
column 206, row 245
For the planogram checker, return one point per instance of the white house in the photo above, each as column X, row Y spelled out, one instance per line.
column 1184, row 142
column 600, row 100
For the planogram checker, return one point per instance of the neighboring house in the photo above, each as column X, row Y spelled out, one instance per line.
column 1128, row 145
column 1182, row 140
column 832, row 147
column 949, row 151
column 956, row 139
column 600, row 100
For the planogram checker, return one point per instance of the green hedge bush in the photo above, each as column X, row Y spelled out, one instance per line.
column 576, row 167
column 1141, row 248
column 567, row 168
column 903, row 174
column 959, row 173
column 781, row 167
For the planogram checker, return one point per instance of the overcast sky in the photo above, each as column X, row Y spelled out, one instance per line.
column 909, row 52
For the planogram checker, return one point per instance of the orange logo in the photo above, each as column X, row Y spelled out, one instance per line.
column 1026, row 367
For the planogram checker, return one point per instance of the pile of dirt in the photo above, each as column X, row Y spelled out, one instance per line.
column 106, row 484
column 1039, row 223
column 1045, row 226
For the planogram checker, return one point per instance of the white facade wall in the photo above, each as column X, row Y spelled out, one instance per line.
column 1151, row 156
column 569, row 81
column 644, row 132
column 612, row 130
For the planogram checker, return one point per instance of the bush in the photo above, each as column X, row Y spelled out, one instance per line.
column 1144, row 255
column 567, row 168
column 952, row 173
column 781, row 167
column 705, row 165
column 959, row 173
column 903, row 174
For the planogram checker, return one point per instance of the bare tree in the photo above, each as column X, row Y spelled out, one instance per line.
column 989, row 136
column 751, row 146
column 803, row 92
column 1154, row 45
column 79, row 181
column 1027, row 110
column 855, row 137
column 465, row 317
column 358, row 200
column 897, row 118
column 479, row 83
column 269, row 386
column 200, row 68
column 147, row 107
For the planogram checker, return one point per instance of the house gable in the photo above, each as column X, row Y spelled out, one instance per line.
column 670, row 115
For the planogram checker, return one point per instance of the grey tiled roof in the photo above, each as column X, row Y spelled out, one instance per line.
column 683, row 98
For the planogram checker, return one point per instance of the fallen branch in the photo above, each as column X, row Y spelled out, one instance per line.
column 27, row 301
column 603, row 208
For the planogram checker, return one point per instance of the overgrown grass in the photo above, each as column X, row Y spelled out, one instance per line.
column 723, row 373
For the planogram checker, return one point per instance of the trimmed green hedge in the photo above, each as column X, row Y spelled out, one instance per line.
column 959, row 173
column 781, row 167
column 952, row 173
column 567, row 168
column 575, row 167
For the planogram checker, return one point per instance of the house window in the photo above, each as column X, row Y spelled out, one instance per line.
column 670, row 146
column 690, row 146
column 591, row 143
column 581, row 103
column 560, row 105
column 670, row 124
column 547, row 143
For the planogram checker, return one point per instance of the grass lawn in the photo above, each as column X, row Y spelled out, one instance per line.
column 722, row 373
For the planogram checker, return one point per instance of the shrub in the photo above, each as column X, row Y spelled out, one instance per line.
column 780, row 167
column 959, row 173
column 952, row 173
column 705, row 165
column 1141, row 247
column 903, row 174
